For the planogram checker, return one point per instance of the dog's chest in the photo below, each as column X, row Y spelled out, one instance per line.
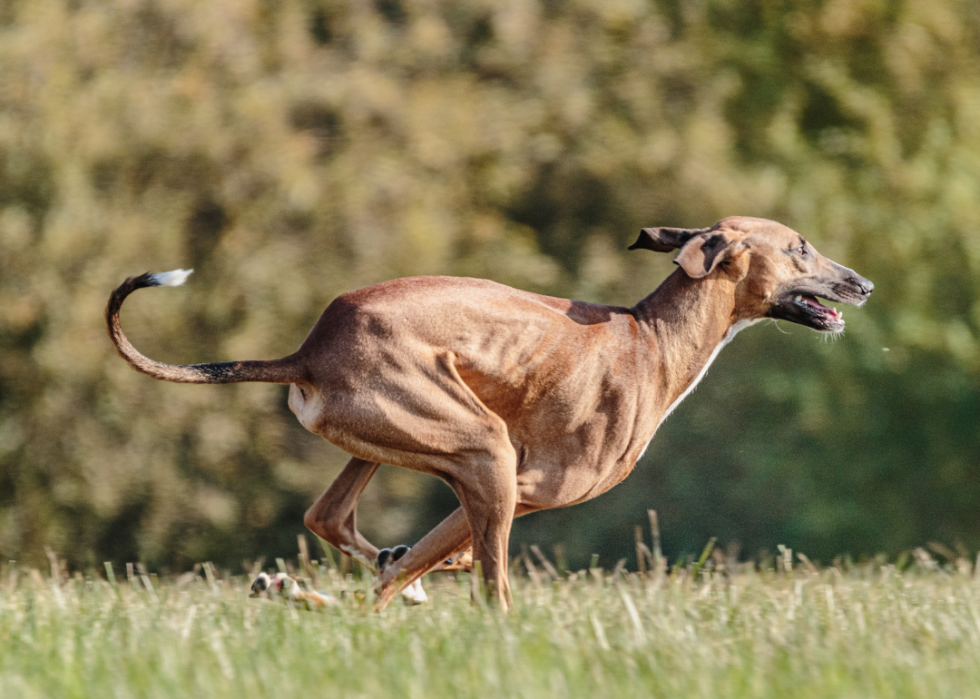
column 735, row 329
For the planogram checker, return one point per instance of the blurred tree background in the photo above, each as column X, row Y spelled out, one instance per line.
column 289, row 151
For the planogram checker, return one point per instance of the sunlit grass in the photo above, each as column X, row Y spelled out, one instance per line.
column 862, row 631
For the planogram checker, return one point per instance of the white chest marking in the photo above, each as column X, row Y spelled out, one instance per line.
column 735, row 329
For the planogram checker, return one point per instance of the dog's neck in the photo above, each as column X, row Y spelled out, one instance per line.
column 685, row 322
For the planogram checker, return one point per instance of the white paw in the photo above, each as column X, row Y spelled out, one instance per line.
column 414, row 592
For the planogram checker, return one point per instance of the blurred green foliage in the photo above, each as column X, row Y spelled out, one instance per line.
column 289, row 151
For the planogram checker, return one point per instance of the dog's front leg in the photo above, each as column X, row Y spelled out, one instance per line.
column 449, row 538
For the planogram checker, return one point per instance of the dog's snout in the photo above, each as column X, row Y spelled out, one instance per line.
column 847, row 276
column 865, row 285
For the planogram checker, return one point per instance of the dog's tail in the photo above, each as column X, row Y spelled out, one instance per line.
column 285, row 370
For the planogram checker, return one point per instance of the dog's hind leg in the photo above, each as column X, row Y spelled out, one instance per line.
column 333, row 517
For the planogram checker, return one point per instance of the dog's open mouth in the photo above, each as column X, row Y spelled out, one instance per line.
column 829, row 317
column 806, row 310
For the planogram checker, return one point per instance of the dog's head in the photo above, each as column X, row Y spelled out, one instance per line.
column 777, row 273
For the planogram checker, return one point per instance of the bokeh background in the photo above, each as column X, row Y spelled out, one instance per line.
column 291, row 150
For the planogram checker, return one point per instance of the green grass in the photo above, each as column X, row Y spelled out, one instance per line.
column 865, row 631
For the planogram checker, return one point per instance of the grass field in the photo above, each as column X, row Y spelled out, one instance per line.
column 869, row 630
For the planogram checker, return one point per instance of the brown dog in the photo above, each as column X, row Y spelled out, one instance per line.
column 520, row 402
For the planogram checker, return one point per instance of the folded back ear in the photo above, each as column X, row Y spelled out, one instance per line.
column 703, row 252
column 664, row 239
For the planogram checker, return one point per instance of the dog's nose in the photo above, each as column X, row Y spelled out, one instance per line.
column 865, row 285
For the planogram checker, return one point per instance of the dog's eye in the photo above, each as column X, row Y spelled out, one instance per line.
column 801, row 251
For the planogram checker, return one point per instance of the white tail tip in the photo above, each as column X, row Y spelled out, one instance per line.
column 174, row 277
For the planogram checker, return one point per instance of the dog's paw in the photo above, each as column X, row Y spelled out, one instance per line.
column 388, row 556
column 414, row 592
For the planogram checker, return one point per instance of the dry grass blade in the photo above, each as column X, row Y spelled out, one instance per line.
column 545, row 562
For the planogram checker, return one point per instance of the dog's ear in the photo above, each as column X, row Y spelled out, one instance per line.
column 664, row 239
column 703, row 252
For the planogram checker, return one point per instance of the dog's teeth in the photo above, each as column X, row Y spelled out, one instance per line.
column 798, row 299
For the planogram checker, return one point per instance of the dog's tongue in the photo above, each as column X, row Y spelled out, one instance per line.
column 813, row 303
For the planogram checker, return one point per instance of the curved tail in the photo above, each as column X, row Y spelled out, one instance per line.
column 285, row 370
